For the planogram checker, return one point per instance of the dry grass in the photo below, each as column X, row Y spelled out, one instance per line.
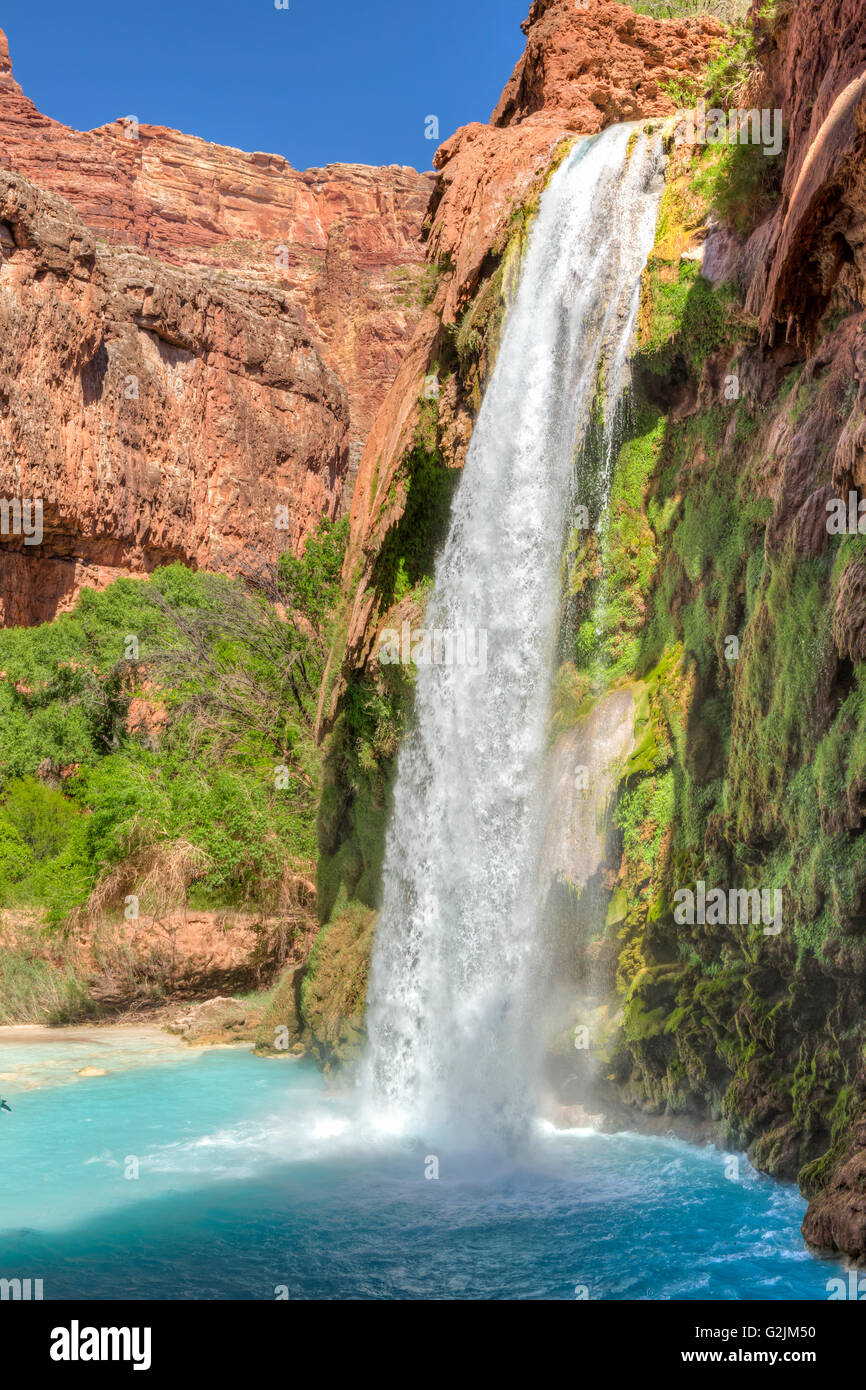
column 104, row 961
column 159, row 874
column 289, row 929
column 130, row 963
column 42, row 976
column 728, row 11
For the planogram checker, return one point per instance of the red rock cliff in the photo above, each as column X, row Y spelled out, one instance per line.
column 157, row 414
column 814, row 56
column 585, row 67
column 342, row 242
column 329, row 261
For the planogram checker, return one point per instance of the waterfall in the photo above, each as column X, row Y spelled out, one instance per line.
column 454, row 1036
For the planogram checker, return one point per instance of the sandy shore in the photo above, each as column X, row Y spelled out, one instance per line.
column 33, row 1057
column 24, row 1034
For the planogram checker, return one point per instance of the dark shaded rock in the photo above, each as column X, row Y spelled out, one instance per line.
column 849, row 617
column 836, row 1219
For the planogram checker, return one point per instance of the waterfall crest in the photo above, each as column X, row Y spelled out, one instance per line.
column 453, row 1034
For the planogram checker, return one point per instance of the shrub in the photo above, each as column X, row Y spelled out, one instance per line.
column 215, row 790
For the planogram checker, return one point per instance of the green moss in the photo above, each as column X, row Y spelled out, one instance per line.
column 815, row 1175
column 786, row 651
column 643, row 815
column 688, row 319
column 617, row 908
column 731, row 66
column 408, row 551
column 609, row 567
column 320, row 1007
column 749, row 764
column 359, row 766
column 480, row 326
column 282, row 1027
column 333, row 988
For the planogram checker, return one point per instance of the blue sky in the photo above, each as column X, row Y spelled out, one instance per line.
column 321, row 82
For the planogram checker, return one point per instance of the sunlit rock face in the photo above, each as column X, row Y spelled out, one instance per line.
column 330, row 261
column 585, row 68
column 596, row 62
column 152, row 413
column 584, row 766
column 813, row 56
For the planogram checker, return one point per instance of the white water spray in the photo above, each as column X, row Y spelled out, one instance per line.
column 453, row 1034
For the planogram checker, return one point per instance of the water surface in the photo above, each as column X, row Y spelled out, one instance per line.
column 253, row 1179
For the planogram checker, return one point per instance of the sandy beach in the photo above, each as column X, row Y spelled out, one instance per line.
column 32, row 1056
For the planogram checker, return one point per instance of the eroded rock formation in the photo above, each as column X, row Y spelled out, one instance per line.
column 597, row 62
column 585, row 67
column 285, row 298
column 156, row 414
column 814, row 57
column 344, row 243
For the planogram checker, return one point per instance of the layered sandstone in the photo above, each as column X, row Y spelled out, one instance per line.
column 585, row 67
column 156, row 414
column 344, row 243
column 279, row 303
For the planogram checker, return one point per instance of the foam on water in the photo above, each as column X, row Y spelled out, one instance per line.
column 252, row 1175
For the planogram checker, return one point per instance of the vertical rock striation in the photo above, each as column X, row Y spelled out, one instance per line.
column 299, row 292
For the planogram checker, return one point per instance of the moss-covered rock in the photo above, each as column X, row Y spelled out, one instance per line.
column 836, row 1183
column 333, row 990
column 320, row 1007
column 748, row 767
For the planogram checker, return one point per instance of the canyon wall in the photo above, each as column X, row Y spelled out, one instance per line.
column 584, row 68
column 743, row 625
column 813, row 61
column 322, row 271
column 157, row 414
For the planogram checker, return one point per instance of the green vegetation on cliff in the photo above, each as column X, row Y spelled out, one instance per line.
column 157, row 743
column 704, row 588
column 729, row 11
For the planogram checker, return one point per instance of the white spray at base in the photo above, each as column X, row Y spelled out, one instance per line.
column 454, row 1036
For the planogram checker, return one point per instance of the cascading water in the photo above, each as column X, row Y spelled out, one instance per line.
column 453, row 1036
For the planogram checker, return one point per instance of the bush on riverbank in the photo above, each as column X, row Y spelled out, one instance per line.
column 156, row 743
